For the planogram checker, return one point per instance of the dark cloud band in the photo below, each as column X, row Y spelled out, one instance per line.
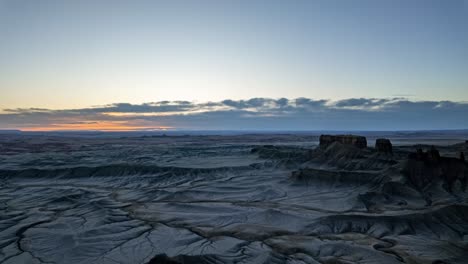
column 258, row 113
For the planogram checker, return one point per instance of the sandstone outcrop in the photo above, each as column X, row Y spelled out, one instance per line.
column 357, row 141
column 349, row 157
column 383, row 145
column 423, row 168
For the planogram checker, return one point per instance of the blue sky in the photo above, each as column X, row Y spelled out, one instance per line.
column 60, row 55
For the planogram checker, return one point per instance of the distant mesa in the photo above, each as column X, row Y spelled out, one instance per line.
column 9, row 131
column 383, row 145
column 350, row 152
column 353, row 140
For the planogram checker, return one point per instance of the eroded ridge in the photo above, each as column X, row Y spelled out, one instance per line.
column 242, row 199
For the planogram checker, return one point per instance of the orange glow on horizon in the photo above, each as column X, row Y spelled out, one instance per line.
column 97, row 126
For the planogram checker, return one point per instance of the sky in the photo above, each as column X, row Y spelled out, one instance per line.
column 120, row 65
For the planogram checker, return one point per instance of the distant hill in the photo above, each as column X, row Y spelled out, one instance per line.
column 10, row 131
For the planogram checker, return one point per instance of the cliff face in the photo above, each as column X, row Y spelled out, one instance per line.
column 383, row 145
column 357, row 141
column 423, row 168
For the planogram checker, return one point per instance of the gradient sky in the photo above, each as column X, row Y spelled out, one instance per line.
column 79, row 54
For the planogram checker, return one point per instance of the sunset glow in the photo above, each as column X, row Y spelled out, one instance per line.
column 97, row 126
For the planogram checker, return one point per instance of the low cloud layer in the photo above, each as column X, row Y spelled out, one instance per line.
column 252, row 114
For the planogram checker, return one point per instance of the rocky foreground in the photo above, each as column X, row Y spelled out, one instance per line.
column 232, row 199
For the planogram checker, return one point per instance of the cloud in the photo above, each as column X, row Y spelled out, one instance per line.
column 252, row 114
column 363, row 103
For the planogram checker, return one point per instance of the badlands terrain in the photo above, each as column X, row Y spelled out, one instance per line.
column 251, row 198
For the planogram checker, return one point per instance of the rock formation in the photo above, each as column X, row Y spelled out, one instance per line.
column 357, row 141
column 383, row 145
column 423, row 168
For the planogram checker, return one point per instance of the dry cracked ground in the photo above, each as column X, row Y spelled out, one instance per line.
column 223, row 199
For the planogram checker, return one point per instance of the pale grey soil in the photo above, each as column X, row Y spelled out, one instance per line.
column 209, row 199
